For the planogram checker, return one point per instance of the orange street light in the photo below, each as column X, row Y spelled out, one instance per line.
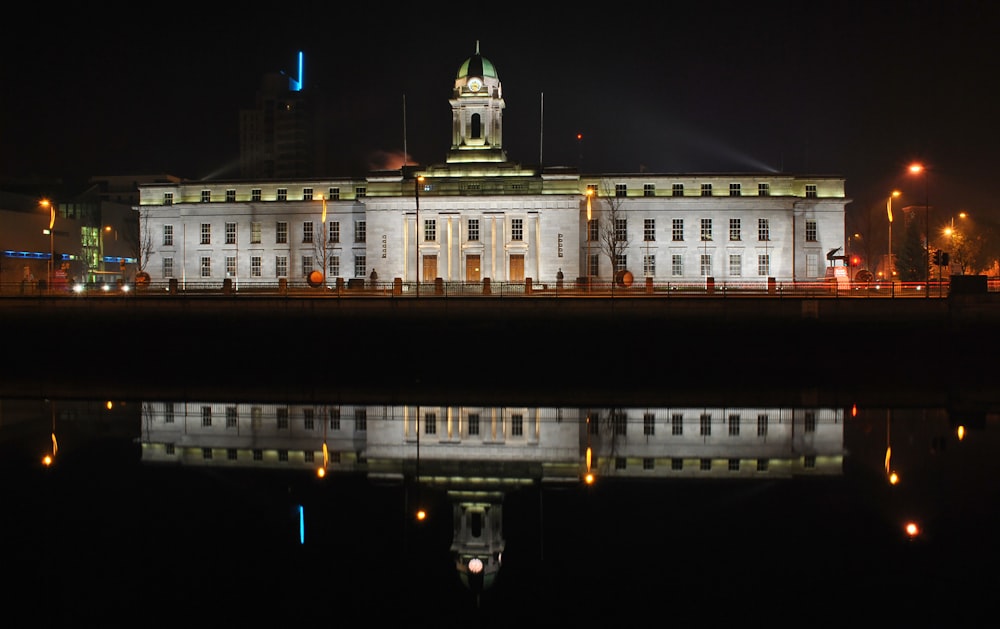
column 895, row 193
column 51, row 207
column 590, row 194
column 918, row 169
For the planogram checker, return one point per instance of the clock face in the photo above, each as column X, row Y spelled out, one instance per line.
column 475, row 85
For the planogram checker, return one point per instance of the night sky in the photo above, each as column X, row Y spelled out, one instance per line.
column 858, row 89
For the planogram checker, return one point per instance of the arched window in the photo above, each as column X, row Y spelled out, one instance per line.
column 477, row 127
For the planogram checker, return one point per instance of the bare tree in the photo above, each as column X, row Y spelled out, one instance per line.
column 140, row 239
column 612, row 231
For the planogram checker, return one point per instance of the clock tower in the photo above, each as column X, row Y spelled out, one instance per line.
column 477, row 113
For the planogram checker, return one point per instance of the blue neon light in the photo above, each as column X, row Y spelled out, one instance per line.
column 302, row 525
column 296, row 84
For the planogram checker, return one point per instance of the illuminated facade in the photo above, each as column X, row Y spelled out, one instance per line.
column 479, row 216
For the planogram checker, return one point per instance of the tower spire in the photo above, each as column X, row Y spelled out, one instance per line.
column 477, row 46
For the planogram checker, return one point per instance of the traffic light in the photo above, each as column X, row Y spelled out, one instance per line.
column 855, row 260
column 937, row 258
column 945, row 258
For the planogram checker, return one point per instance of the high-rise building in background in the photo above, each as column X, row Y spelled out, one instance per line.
column 282, row 135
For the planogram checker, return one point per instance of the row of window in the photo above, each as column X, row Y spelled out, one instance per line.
column 472, row 231
column 360, row 192
column 705, row 465
column 280, row 269
column 619, row 420
column 677, row 264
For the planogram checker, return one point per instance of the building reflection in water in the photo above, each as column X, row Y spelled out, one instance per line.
column 477, row 455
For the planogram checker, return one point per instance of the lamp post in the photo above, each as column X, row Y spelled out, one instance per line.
column 101, row 266
column 950, row 233
column 920, row 169
column 590, row 194
column 895, row 193
column 45, row 203
column 416, row 229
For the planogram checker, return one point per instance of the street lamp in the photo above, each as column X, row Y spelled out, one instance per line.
column 895, row 193
column 107, row 229
column 417, row 181
column 45, row 203
column 920, row 169
column 590, row 194
column 950, row 233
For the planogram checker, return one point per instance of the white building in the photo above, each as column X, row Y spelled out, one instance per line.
column 483, row 217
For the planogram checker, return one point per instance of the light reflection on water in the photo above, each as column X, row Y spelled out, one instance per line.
column 216, row 508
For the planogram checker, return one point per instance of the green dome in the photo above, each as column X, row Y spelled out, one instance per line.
column 477, row 65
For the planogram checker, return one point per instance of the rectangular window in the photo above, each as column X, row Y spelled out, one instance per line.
column 360, row 192
column 255, row 266
column 649, row 265
column 594, row 264
column 361, row 419
column 230, row 196
column 206, row 453
column 621, row 190
column 168, row 267
column 735, row 229
column 307, row 265
column 677, row 424
column 705, row 425
column 621, row 229
column 677, row 230
column 676, row 265
column 649, row 424
column 430, row 423
column 706, row 189
column 592, row 230
column 168, row 198
column 360, row 266
column 811, row 231
column 762, row 425
column 334, row 194
column 517, row 229
column 763, row 229
column 809, row 461
column 334, row 419
column 764, row 265
column 307, row 232
column 762, row 464
column 232, row 417
column 811, row 190
column 735, row 190
column 255, row 194
column 281, row 233
column 281, row 266
column 307, row 194
column 649, row 229
column 810, row 421
column 734, row 465
column 706, row 229
column 648, row 463
column 206, row 196
column 735, row 264
column 334, row 266
column 282, row 194
column 282, row 418
column 206, row 416
column 360, row 231
column 230, row 266
column 677, row 190
column 621, row 262
column 763, row 189
column 517, row 425
column 168, row 235
column 206, row 233
column 812, row 265
column 430, row 230
column 255, row 233
column 230, row 233
column 308, row 418
column 334, row 231
column 206, row 266
column 473, row 423
column 676, row 464
column 168, row 412
column 734, row 425
column 473, row 229
column 706, row 264
column 649, row 190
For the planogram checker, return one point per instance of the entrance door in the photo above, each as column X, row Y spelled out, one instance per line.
column 472, row 268
column 430, row 268
column 517, row 268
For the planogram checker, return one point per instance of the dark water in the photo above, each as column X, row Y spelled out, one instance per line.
column 133, row 524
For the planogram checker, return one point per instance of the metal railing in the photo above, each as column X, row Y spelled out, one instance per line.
column 359, row 288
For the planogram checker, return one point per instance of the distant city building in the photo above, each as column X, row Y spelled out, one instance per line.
column 282, row 137
column 479, row 216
